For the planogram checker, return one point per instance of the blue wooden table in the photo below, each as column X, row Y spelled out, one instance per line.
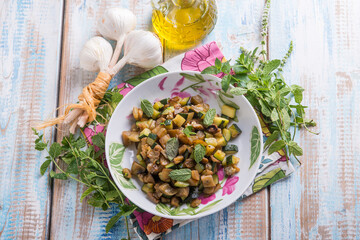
column 40, row 41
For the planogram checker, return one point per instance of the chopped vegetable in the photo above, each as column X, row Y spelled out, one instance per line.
column 228, row 111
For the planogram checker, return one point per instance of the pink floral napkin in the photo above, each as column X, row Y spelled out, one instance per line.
column 272, row 168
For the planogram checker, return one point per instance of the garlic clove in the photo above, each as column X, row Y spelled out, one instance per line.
column 116, row 22
column 143, row 49
column 96, row 54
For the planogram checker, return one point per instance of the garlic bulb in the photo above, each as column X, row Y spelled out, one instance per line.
column 96, row 54
column 114, row 25
column 142, row 49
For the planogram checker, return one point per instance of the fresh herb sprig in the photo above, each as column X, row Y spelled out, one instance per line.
column 86, row 166
column 262, row 83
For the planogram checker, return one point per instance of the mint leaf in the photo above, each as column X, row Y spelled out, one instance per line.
column 209, row 70
column 295, row 149
column 225, row 83
column 86, row 193
column 55, row 150
column 199, row 152
column 209, row 117
column 99, row 140
column 44, row 166
column 172, row 148
column 271, row 138
column 180, row 174
column 271, row 66
column 147, row 107
column 238, row 91
column 188, row 131
column 277, row 146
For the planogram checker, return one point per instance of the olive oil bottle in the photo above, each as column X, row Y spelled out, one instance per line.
column 183, row 23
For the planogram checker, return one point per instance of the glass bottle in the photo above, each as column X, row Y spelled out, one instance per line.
column 183, row 23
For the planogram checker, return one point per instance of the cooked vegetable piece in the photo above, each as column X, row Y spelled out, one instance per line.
column 179, row 120
column 163, row 140
column 144, row 133
column 224, row 116
column 164, row 101
column 235, row 130
column 166, row 189
column 168, row 110
column 175, row 202
column 195, row 175
column 178, row 159
column 221, row 141
column 126, row 172
column 220, row 122
column 137, row 113
column 195, row 202
column 209, row 150
column 211, row 141
column 155, row 114
column 148, row 187
column 231, row 160
column 200, row 114
column 151, row 139
column 227, row 134
column 228, row 111
column 199, row 167
column 158, row 105
column 129, row 137
column 170, row 165
column 184, row 101
column 219, row 155
column 208, row 181
column 183, row 192
column 196, row 99
column 231, row 149
column 142, row 124
column 181, row 184
column 168, row 124
column 164, row 175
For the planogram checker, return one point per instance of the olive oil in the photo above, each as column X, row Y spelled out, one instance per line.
column 183, row 23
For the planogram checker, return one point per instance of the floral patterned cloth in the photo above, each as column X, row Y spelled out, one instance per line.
column 272, row 168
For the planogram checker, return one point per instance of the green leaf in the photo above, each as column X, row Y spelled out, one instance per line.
column 286, row 118
column 228, row 102
column 72, row 168
column 147, row 107
column 172, row 148
column 146, row 75
column 86, row 193
column 267, row 179
column 240, row 69
column 225, row 83
column 217, row 63
column 180, row 174
column 40, row 146
column 199, row 152
column 188, row 131
column 111, row 195
column 44, row 166
column 55, row 150
column 271, row 66
column 298, row 93
column 276, row 146
column 264, row 109
column 61, row 176
column 209, row 70
column 209, row 117
column 271, row 138
column 225, row 68
column 295, row 149
column 112, row 221
column 99, row 140
column 274, row 115
column 255, row 145
column 238, row 91
column 96, row 201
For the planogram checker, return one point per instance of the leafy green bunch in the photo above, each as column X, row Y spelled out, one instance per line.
column 84, row 164
column 262, row 83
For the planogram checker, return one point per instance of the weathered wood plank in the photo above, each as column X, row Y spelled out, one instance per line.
column 72, row 219
column 238, row 25
column 29, row 58
column 321, row 200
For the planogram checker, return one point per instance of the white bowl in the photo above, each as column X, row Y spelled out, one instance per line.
column 170, row 84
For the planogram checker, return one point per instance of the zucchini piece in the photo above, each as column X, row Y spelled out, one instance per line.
column 199, row 167
column 184, row 115
column 171, row 165
column 208, row 135
column 151, row 139
column 220, row 122
column 231, row 160
column 158, row 105
column 227, row 134
column 179, row 120
column 215, row 178
column 221, row 141
column 186, row 154
column 190, row 116
column 219, row 155
column 144, row 133
column 181, row 184
column 224, row 116
column 200, row 115
column 211, row 141
column 164, row 101
column 209, row 150
column 184, row 101
column 141, row 160
column 153, row 146
column 148, row 187
column 235, row 130
column 230, row 149
column 168, row 110
column 168, row 124
column 156, row 114
column 142, row 124
column 228, row 111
